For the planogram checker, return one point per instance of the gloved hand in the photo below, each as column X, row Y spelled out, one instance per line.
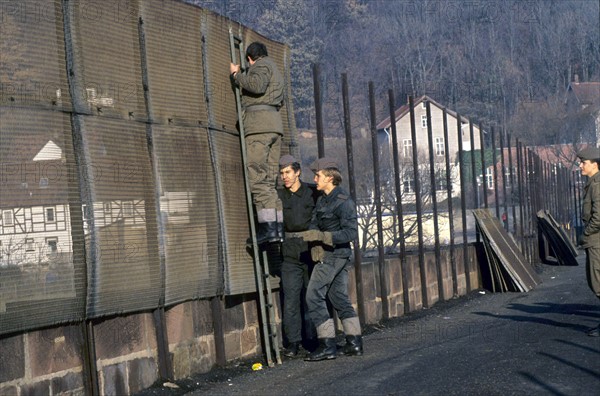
column 317, row 253
column 317, row 236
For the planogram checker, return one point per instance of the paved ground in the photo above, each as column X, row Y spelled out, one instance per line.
column 482, row 344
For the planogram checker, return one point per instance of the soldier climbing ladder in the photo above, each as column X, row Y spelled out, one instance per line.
column 261, row 267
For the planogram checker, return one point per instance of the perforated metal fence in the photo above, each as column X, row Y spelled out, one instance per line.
column 121, row 179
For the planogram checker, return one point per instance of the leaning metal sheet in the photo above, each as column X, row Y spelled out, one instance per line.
column 42, row 273
column 507, row 251
column 106, row 53
column 173, row 42
column 188, row 213
column 33, row 72
column 238, row 265
column 120, row 226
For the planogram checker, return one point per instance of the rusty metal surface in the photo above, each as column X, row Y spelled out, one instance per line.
column 508, row 267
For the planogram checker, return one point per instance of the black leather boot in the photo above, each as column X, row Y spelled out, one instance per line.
column 354, row 346
column 326, row 350
column 292, row 350
column 268, row 233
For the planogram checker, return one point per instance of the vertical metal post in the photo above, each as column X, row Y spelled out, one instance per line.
column 474, row 173
column 503, row 167
column 520, row 171
column 463, row 200
column 165, row 369
column 495, row 170
column 352, row 186
column 450, row 205
column 512, row 184
column 433, row 188
column 418, row 202
column 74, row 80
column 216, row 310
column 484, row 184
column 385, row 311
column 399, row 212
column 318, row 109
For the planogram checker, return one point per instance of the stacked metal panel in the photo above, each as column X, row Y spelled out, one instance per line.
column 564, row 250
column 508, row 268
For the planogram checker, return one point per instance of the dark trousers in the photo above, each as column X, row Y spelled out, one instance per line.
column 593, row 269
column 294, row 278
column 329, row 280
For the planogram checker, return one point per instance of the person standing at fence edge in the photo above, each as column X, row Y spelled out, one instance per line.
column 262, row 89
column 298, row 199
column 333, row 226
column 590, row 214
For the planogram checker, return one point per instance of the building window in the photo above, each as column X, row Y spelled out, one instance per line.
column 43, row 182
column 29, row 245
column 489, row 178
column 127, row 208
column 7, row 218
column 407, row 147
column 106, row 207
column 408, row 185
column 52, row 245
column 440, row 180
column 439, row 146
column 49, row 215
column 424, row 121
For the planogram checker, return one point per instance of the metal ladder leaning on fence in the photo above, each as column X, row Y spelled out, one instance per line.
column 261, row 267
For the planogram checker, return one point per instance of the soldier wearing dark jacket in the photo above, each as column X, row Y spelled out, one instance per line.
column 333, row 226
column 262, row 88
column 590, row 240
column 298, row 200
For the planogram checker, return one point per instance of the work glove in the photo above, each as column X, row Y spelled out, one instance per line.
column 317, row 236
column 317, row 253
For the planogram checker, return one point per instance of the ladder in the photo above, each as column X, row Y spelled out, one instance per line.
column 261, row 266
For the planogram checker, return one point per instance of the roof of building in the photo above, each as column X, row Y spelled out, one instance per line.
column 404, row 109
column 586, row 93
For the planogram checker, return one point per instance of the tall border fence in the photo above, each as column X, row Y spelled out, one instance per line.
column 120, row 159
column 122, row 225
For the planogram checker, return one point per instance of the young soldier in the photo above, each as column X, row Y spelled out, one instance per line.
column 334, row 225
column 590, row 214
column 298, row 199
column 262, row 88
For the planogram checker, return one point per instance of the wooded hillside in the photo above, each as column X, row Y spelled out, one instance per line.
column 495, row 61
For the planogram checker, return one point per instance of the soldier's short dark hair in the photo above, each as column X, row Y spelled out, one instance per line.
column 256, row 50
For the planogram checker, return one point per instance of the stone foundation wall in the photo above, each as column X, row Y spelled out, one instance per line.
column 51, row 361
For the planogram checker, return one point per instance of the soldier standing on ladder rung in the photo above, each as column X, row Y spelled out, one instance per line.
column 262, row 87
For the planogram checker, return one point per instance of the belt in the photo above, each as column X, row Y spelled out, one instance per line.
column 261, row 108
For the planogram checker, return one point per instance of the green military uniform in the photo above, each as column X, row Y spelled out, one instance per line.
column 262, row 96
column 590, row 239
column 590, row 214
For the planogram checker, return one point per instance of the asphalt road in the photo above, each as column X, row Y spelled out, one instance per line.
column 531, row 343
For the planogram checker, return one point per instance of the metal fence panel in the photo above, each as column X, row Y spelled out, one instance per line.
column 173, row 39
column 32, row 64
column 106, row 54
column 238, row 266
column 120, row 217
column 42, row 278
column 187, row 200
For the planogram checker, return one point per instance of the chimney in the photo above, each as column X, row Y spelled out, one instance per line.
column 576, row 78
